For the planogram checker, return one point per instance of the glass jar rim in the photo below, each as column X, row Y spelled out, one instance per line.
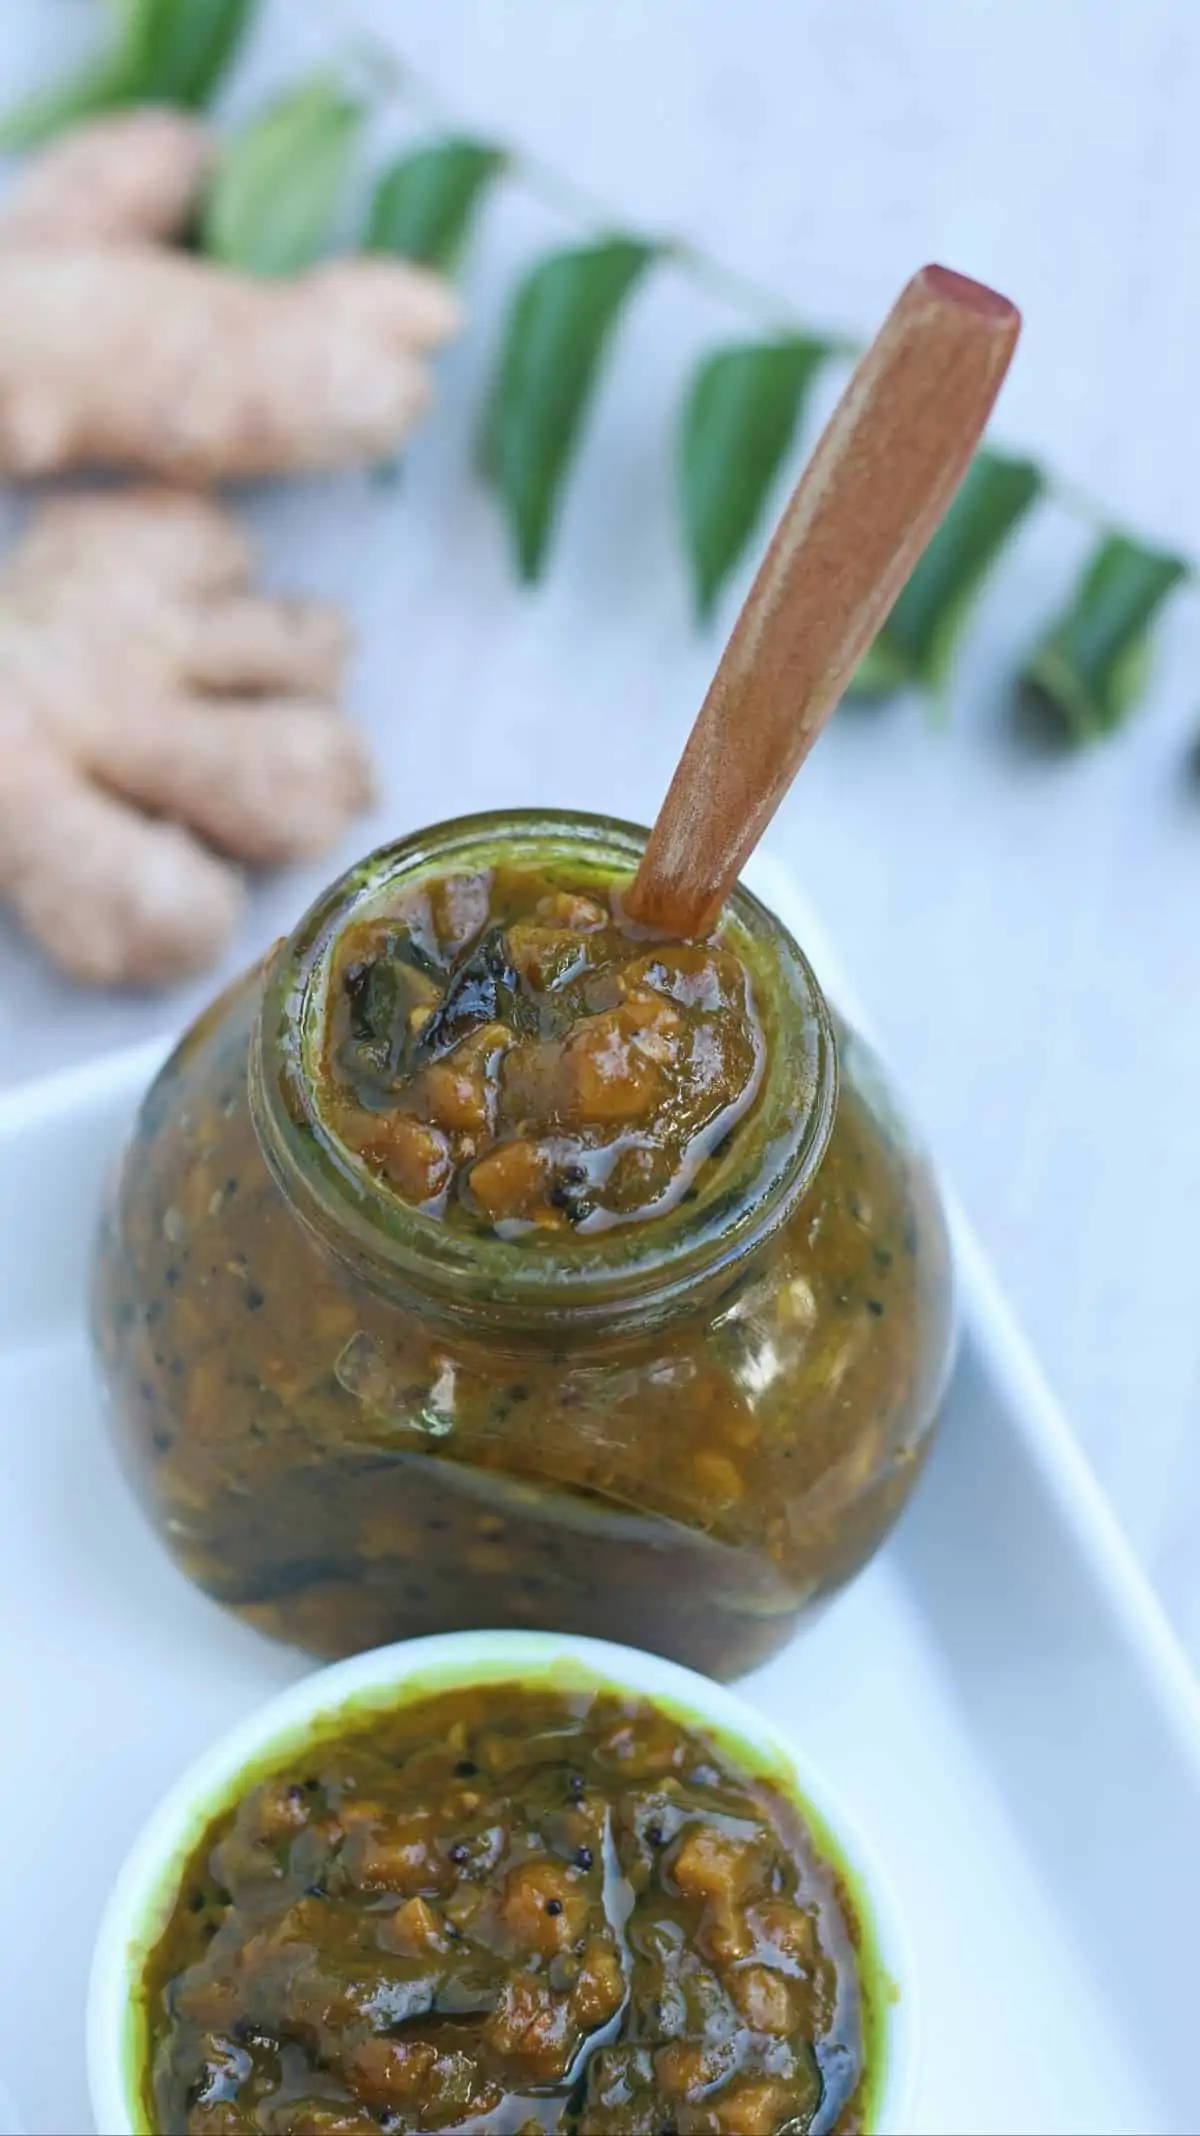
column 542, row 1278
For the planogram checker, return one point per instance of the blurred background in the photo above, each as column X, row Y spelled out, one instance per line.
column 1023, row 925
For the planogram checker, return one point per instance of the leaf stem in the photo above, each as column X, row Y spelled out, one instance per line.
column 391, row 78
column 1079, row 503
column 756, row 299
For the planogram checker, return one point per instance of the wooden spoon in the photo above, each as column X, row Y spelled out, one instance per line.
column 878, row 485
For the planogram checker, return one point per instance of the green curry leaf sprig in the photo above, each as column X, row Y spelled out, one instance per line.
column 281, row 197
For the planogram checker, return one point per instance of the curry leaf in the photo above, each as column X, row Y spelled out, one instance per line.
column 739, row 419
column 918, row 640
column 558, row 328
column 187, row 45
column 277, row 192
column 160, row 51
column 1091, row 666
column 425, row 202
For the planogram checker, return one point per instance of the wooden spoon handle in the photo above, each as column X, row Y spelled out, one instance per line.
column 883, row 474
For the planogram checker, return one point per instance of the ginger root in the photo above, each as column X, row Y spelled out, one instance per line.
column 154, row 707
column 120, row 353
column 132, row 176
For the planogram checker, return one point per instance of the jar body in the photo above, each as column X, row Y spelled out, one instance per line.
column 344, row 1467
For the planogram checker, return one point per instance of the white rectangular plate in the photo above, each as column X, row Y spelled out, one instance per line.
column 998, row 1698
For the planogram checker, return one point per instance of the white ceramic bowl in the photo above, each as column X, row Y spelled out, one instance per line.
column 145, row 1890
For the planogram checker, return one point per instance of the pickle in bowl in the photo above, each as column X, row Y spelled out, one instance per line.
column 502, row 1883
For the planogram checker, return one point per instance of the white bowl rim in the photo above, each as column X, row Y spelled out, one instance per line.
column 134, row 1912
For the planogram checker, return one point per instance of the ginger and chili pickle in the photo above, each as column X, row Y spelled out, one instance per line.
column 482, row 1260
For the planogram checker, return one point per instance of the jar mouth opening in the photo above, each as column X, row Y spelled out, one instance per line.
column 546, row 1275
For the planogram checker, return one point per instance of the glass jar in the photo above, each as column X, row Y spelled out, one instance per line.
column 351, row 1422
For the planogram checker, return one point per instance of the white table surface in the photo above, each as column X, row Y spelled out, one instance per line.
column 1026, row 931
